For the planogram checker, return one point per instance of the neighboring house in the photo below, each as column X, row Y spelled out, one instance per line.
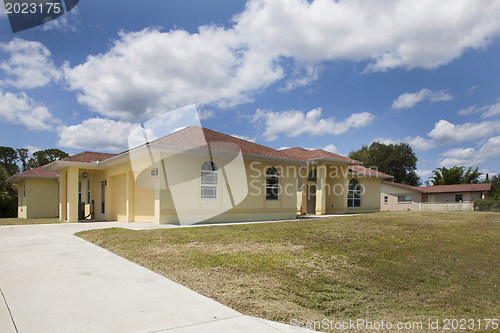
column 395, row 196
column 195, row 175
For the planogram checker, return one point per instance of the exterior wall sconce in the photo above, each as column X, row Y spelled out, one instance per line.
column 154, row 172
column 84, row 174
column 104, row 183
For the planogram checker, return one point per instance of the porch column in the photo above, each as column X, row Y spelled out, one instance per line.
column 321, row 190
column 157, row 199
column 72, row 194
column 130, row 196
column 302, row 191
column 63, row 183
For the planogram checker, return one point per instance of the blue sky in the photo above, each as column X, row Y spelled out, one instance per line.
column 283, row 73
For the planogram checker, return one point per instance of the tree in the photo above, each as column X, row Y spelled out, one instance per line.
column 8, row 195
column 8, row 159
column 23, row 157
column 455, row 175
column 397, row 160
column 46, row 156
column 495, row 187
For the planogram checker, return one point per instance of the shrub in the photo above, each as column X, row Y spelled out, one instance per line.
column 487, row 205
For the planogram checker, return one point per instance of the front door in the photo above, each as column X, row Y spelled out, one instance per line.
column 311, row 199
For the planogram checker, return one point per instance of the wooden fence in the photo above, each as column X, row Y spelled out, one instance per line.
column 466, row 206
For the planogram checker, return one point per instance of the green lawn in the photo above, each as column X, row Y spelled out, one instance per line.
column 383, row 266
column 16, row 221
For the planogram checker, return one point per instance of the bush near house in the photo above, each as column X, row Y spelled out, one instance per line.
column 489, row 205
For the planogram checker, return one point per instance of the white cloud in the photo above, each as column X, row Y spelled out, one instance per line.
column 243, row 137
column 409, row 100
column 96, row 134
column 32, row 149
column 446, row 133
column 20, row 109
column 471, row 156
column 294, row 123
column 386, row 141
column 149, row 72
column 486, row 110
column 66, row 23
column 331, row 148
column 424, row 174
column 389, row 33
column 30, row 64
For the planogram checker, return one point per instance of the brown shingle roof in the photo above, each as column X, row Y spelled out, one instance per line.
column 446, row 188
column 198, row 137
column 409, row 187
column 367, row 171
column 306, row 154
column 39, row 172
column 88, row 156
column 457, row 188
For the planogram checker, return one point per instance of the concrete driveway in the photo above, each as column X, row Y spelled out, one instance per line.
column 52, row 281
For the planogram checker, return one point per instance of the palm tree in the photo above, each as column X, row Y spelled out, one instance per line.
column 455, row 175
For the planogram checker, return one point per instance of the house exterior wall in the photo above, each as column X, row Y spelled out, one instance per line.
column 393, row 192
column 450, row 197
column 370, row 198
column 38, row 198
column 239, row 198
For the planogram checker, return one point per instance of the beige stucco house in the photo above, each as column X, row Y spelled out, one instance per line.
column 395, row 196
column 198, row 175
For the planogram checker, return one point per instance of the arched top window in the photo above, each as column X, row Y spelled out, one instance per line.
column 354, row 194
column 313, row 175
column 272, row 184
column 209, row 166
column 209, row 180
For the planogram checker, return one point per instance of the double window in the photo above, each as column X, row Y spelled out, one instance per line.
column 209, row 180
column 272, row 184
column 354, row 194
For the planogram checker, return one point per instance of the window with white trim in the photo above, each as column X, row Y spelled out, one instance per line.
column 272, row 184
column 354, row 194
column 459, row 197
column 386, row 199
column 404, row 198
column 209, row 180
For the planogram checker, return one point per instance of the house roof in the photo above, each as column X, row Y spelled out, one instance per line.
column 88, row 157
column 445, row 188
column 406, row 186
column 361, row 170
column 457, row 188
column 307, row 155
column 198, row 137
column 33, row 173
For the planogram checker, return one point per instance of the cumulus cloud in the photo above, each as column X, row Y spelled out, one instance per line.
column 486, row 110
column 446, row 133
column 409, row 100
column 96, row 133
column 148, row 72
column 295, row 122
column 20, row 109
column 389, row 33
column 331, row 148
column 29, row 65
column 471, row 156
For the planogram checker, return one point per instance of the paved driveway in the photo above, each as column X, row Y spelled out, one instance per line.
column 52, row 281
